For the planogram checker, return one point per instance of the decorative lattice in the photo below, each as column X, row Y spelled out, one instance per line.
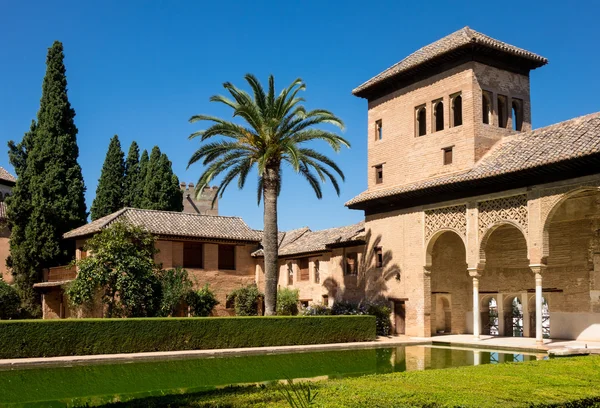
column 454, row 218
column 512, row 209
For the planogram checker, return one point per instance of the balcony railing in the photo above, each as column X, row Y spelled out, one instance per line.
column 62, row 273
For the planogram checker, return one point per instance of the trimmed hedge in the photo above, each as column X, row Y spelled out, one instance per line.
column 49, row 338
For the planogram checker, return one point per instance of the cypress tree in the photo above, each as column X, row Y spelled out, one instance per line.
column 110, row 192
column 53, row 181
column 139, row 188
column 132, row 171
column 161, row 189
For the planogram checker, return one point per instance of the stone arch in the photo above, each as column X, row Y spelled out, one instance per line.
column 434, row 238
column 553, row 204
column 488, row 233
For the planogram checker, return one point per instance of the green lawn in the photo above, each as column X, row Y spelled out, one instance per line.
column 572, row 382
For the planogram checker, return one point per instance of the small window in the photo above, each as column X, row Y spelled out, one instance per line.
column 326, row 300
column 456, row 110
column 502, row 112
column 303, row 266
column 290, row 273
column 421, row 121
column 438, row 116
column 517, row 114
column 227, row 257
column 486, row 107
column 379, row 174
column 379, row 130
column 304, row 303
column 351, row 264
column 379, row 257
column 192, row 255
column 316, row 266
column 447, row 155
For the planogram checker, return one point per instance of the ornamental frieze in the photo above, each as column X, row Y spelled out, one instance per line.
column 512, row 209
column 454, row 218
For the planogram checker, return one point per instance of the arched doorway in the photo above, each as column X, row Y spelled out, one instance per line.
column 450, row 283
column 513, row 317
column 490, row 322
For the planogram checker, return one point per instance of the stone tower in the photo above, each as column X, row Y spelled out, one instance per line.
column 441, row 109
column 201, row 204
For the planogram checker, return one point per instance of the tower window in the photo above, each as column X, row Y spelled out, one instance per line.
column 421, row 123
column 379, row 174
column 447, row 155
column 378, row 130
column 517, row 114
column 456, row 110
column 502, row 112
column 290, row 273
column 486, row 107
column 438, row 116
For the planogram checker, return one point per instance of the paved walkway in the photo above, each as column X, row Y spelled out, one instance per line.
column 513, row 343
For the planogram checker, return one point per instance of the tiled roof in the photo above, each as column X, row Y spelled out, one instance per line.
column 2, row 211
column 6, row 176
column 169, row 223
column 573, row 139
column 454, row 41
column 303, row 240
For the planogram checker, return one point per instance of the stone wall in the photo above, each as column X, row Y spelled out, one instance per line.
column 5, row 272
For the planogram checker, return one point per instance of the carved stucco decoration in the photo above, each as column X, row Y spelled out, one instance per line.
column 454, row 218
column 512, row 209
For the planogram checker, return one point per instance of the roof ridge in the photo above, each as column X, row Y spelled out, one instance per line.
column 182, row 212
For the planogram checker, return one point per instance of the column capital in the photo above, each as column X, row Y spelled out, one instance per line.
column 538, row 269
column 475, row 272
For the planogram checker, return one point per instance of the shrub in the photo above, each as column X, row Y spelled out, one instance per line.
column 380, row 310
column 9, row 301
column 287, row 302
column 47, row 338
column 175, row 288
column 201, row 301
column 316, row 310
column 246, row 300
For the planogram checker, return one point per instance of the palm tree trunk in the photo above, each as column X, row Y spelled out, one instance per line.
column 270, row 239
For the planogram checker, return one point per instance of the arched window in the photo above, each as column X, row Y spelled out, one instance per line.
column 502, row 114
column 486, row 107
column 457, row 110
column 517, row 114
column 438, row 113
column 421, row 121
column 290, row 268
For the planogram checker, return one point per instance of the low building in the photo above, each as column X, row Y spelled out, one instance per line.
column 213, row 249
column 7, row 182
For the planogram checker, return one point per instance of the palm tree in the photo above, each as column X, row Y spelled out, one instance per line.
column 274, row 131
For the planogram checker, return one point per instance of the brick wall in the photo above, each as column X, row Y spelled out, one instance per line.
column 4, row 253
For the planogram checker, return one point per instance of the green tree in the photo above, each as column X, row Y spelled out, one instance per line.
column 161, row 189
column 9, row 301
column 275, row 132
column 53, row 188
column 139, row 188
column 175, row 287
column 132, row 171
column 287, row 302
column 110, row 192
column 121, row 270
column 245, row 300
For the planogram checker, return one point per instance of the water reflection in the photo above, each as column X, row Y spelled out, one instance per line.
column 101, row 383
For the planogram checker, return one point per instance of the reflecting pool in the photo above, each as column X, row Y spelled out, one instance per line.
column 95, row 384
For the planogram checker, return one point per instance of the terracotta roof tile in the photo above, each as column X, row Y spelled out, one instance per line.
column 451, row 42
column 6, row 176
column 169, row 223
column 572, row 139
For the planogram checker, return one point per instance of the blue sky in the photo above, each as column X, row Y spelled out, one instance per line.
column 140, row 69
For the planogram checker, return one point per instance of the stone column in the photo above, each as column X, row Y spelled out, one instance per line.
column 474, row 273
column 428, row 324
column 538, row 270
